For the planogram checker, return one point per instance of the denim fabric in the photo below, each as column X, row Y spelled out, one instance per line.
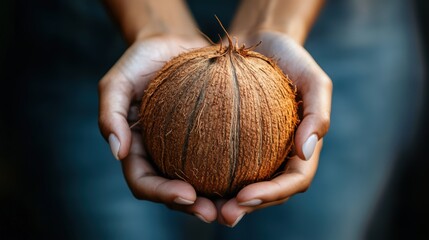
column 368, row 48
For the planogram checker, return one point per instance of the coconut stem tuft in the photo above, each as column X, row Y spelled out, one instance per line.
column 230, row 46
column 221, row 43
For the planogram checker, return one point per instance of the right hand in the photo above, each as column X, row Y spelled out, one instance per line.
column 119, row 89
column 314, row 89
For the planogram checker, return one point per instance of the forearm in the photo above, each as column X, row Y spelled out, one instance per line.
column 145, row 18
column 292, row 17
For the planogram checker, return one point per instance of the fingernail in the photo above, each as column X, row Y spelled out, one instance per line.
column 114, row 145
column 182, row 201
column 309, row 145
column 237, row 220
column 251, row 203
column 201, row 217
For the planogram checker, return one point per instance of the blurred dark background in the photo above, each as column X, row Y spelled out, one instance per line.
column 402, row 210
column 24, row 182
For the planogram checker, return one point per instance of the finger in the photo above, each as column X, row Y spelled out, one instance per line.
column 114, row 100
column 232, row 212
column 296, row 178
column 203, row 208
column 123, row 83
column 268, row 204
column 219, row 204
column 316, row 94
column 145, row 183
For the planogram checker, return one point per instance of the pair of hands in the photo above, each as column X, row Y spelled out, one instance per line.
column 123, row 86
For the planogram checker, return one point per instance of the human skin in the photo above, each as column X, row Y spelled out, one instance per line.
column 158, row 30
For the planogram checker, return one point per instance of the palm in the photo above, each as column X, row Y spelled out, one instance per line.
column 144, row 58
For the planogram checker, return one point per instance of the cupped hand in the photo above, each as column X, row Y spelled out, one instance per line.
column 314, row 89
column 119, row 91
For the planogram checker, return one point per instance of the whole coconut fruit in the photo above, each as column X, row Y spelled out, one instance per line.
column 219, row 118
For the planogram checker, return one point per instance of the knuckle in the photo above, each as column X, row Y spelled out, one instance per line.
column 140, row 194
column 136, row 194
column 103, row 124
column 305, row 185
column 327, row 82
column 102, row 84
column 325, row 121
column 102, row 120
column 304, row 189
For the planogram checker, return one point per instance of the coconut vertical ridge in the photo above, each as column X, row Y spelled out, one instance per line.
column 235, row 127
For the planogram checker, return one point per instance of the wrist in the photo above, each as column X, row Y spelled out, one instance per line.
column 139, row 19
column 161, row 29
column 295, row 30
column 291, row 18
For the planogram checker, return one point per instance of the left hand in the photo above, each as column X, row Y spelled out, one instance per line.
column 125, row 83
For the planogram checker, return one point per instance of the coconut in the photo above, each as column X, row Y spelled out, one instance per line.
column 219, row 118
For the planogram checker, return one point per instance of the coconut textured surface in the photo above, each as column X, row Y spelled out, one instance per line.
column 219, row 118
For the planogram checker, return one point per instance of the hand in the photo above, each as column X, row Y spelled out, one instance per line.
column 119, row 88
column 314, row 90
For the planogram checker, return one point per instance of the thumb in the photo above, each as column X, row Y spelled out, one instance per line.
column 114, row 100
column 316, row 94
column 314, row 88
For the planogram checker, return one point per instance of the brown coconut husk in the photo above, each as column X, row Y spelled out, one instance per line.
column 220, row 118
